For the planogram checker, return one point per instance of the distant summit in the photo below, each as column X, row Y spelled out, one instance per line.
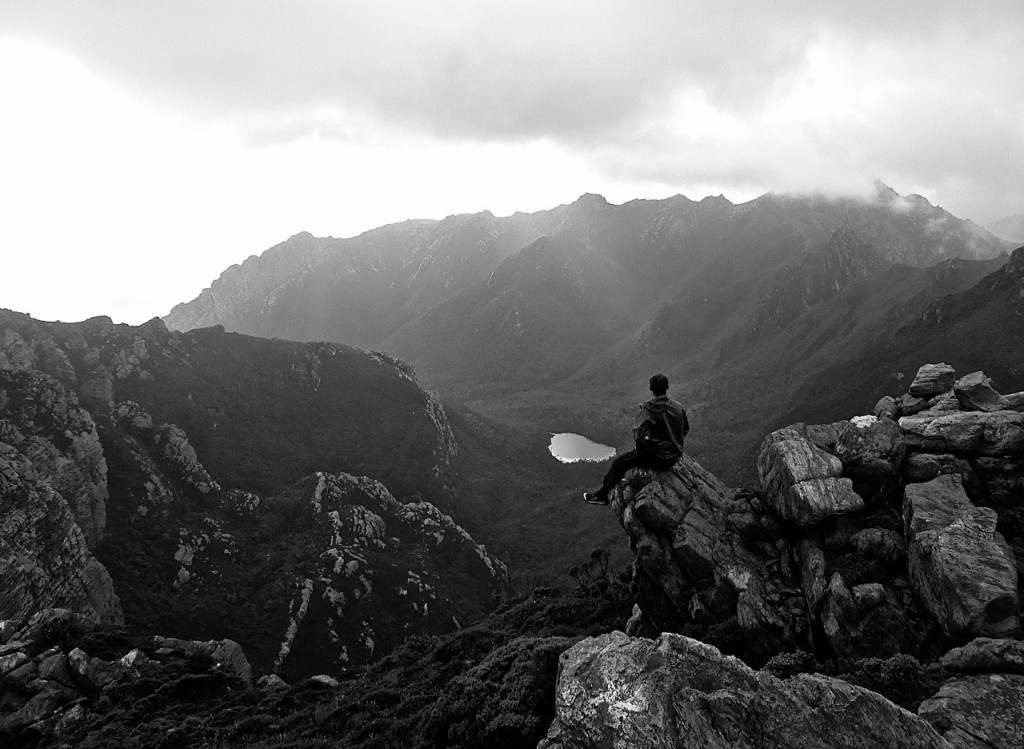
column 1010, row 228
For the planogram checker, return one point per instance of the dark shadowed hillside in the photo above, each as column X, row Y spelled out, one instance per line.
column 274, row 525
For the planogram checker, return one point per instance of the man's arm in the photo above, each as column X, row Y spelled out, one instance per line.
column 640, row 426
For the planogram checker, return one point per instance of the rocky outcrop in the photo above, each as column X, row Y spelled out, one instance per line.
column 53, row 495
column 170, row 446
column 175, row 414
column 381, row 565
column 58, row 667
column 43, row 421
column 961, row 568
column 44, row 558
column 993, row 433
column 903, row 562
column 672, row 692
column 700, row 556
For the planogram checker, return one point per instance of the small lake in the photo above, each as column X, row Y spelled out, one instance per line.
column 572, row 448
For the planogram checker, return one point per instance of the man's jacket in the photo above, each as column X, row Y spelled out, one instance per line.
column 660, row 427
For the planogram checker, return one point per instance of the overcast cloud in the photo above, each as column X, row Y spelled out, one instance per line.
column 741, row 97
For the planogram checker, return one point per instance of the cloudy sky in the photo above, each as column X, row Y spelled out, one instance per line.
column 146, row 146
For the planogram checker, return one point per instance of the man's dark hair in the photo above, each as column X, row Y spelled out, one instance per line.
column 659, row 384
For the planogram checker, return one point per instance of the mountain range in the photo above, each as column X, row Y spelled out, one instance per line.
column 553, row 321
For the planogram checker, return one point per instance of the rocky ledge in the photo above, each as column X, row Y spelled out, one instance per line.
column 898, row 533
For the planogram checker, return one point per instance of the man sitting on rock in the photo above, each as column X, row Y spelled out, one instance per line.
column 659, row 429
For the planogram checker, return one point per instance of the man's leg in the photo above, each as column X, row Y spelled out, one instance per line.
column 619, row 467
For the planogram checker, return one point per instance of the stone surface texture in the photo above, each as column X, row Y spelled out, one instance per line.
column 699, row 555
column 676, row 692
column 979, row 711
column 974, row 392
column 962, row 569
column 932, row 379
column 801, row 480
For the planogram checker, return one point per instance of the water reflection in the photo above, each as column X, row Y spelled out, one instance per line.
column 571, row 448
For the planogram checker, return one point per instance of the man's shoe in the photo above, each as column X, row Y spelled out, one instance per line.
column 594, row 499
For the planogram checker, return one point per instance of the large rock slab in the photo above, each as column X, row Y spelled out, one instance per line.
column 932, row 379
column 812, row 501
column 961, row 568
column 982, row 433
column 974, row 392
column 986, row 655
column 979, row 711
column 801, row 481
column 675, row 692
column 783, row 463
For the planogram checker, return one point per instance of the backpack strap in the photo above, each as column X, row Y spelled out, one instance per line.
column 671, row 434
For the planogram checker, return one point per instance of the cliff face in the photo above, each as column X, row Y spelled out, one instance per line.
column 60, row 440
column 53, row 494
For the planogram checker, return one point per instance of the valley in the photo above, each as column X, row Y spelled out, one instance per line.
column 338, row 454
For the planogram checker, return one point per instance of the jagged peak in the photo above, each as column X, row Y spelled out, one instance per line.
column 716, row 200
column 591, row 198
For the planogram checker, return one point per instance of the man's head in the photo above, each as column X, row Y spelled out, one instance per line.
column 659, row 384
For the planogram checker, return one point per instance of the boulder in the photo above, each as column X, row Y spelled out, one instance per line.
column 810, row 502
column 12, row 661
column 40, row 706
column 940, row 404
column 961, row 568
column 974, row 392
column 92, row 674
column 1015, row 401
column 879, row 543
column 932, row 379
column 984, row 433
column 986, row 655
column 800, row 480
column 887, row 408
column 863, row 621
column 979, row 711
column 54, row 667
column 908, row 405
column 921, row 467
column 871, row 451
column 613, row 691
column 227, row 655
column 783, row 463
